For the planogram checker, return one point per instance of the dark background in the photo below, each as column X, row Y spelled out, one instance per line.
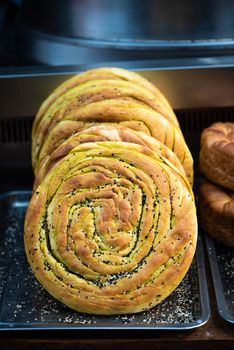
column 72, row 32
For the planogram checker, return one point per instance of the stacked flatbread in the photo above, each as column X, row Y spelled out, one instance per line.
column 111, row 227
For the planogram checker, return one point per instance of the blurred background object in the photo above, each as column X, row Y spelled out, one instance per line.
column 71, row 32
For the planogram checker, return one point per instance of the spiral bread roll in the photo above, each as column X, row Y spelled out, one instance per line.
column 107, row 74
column 217, row 154
column 127, row 112
column 104, row 132
column 93, row 91
column 97, row 85
column 216, row 212
column 216, row 199
column 111, row 229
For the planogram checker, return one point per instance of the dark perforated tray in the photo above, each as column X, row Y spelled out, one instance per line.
column 221, row 260
column 25, row 305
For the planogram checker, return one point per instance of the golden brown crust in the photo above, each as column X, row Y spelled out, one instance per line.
column 104, row 132
column 95, row 85
column 217, row 154
column 216, row 212
column 111, row 229
column 126, row 112
column 104, row 74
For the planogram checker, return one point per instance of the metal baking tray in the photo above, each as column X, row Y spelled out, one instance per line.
column 221, row 260
column 25, row 305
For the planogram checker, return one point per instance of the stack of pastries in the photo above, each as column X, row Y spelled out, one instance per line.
column 111, row 227
column 216, row 194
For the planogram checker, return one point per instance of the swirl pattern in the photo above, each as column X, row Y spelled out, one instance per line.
column 216, row 212
column 104, row 132
column 216, row 157
column 111, row 228
column 126, row 112
column 104, row 74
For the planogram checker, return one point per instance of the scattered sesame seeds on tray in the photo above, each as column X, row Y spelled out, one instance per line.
column 221, row 260
column 25, row 305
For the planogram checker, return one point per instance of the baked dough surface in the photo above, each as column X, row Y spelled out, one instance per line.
column 111, row 229
column 216, row 212
column 217, row 154
column 105, row 132
column 107, row 95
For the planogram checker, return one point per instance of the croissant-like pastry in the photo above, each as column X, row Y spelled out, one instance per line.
column 111, row 229
column 126, row 112
column 216, row 212
column 104, row 74
column 217, row 154
column 103, row 132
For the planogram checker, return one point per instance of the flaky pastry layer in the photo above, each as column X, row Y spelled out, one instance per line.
column 111, row 229
column 105, row 73
column 105, row 132
column 216, row 212
column 217, row 154
column 126, row 112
